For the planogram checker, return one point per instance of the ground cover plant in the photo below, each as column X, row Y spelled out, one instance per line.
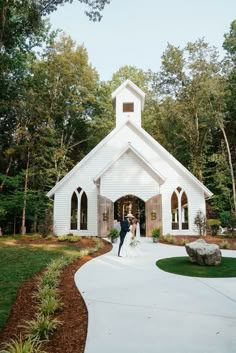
column 183, row 266
column 224, row 242
column 19, row 262
column 54, row 290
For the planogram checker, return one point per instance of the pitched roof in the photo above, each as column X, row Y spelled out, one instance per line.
column 128, row 148
column 149, row 138
column 129, row 83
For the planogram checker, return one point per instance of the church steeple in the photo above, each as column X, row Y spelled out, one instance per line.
column 128, row 101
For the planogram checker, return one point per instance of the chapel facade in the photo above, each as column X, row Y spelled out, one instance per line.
column 128, row 171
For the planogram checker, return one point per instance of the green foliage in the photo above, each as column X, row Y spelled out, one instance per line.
column 21, row 345
column 49, row 305
column 74, row 239
column 214, row 225
column 228, row 220
column 170, row 239
column 50, row 278
column 200, row 222
column 71, row 238
column 224, row 217
column 183, row 241
column 62, row 238
column 114, row 233
column 224, row 244
column 44, row 292
column 41, row 327
column 98, row 243
column 156, row 232
column 29, row 261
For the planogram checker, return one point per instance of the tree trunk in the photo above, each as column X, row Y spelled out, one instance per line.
column 14, row 226
column 3, row 21
column 6, row 174
column 23, row 228
column 231, row 168
column 34, row 227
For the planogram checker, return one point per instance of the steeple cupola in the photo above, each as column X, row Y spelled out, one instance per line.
column 128, row 101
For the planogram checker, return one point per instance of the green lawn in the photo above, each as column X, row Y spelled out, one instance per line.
column 182, row 266
column 20, row 262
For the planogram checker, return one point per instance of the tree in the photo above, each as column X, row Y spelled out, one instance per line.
column 200, row 222
column 229, row 127
column 190, row 81
column 21, row 21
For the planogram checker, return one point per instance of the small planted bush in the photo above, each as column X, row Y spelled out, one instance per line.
column 74, row 239
column 114, row 234
column 156, row 232
column 50, row 279
column 41, row 327
column 214, row 225
column 45, row 292
column 20, row 345
column 62, row 238
column 183, row 241
column 69, row 237
column 49, row 305
column 224, row 244
column 170, row 239
column 200, row 222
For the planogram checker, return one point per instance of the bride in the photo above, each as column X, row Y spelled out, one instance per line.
column 131, row 239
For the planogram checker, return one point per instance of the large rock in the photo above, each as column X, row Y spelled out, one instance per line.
column 202, row 253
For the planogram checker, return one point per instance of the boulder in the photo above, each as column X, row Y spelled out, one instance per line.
column 203, row 253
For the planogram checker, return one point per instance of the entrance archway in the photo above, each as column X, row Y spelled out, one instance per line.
column 131, row 204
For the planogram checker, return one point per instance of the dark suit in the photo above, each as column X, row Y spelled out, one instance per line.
column 124, row 229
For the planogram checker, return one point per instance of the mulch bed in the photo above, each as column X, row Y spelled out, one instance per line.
column 71, row 336
column 209, row 239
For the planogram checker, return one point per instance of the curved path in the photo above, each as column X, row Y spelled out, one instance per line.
column 134, row 307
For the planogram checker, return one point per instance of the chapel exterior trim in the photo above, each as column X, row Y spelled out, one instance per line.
column 128, row 170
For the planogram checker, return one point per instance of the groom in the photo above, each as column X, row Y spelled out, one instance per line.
column 124, row 229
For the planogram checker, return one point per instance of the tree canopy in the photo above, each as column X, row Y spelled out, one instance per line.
column 54, row 109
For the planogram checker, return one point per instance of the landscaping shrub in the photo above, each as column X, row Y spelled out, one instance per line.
column 183, row 241
column 200, row 222
column 156, row 232
column 170, row 239
column 49, row 305
column 214, row 225
column 69, row 237
column 224, row 244
column 41, row 327
column 20, row 345
column 114, row 234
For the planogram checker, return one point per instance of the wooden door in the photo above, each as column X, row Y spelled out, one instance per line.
column 153, row 210
column 105, row 215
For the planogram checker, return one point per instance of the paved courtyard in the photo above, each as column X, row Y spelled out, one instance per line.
column 136, row 308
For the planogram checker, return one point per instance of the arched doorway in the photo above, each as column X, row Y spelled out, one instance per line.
column 131, row 204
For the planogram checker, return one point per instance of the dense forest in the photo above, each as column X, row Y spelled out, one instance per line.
column 54, row 109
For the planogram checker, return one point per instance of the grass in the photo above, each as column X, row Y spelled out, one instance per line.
column 19, row 263
column 182, row 266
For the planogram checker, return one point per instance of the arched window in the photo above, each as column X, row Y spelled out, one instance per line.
column 179, row 209
column 83, row 211
column 184, row 211
column 74, row 211
column 79, row 210
column 175, row 211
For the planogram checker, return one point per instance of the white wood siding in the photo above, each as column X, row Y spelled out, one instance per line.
column 126, row 176
column 128, row 96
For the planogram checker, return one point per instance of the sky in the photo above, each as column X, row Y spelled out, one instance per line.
column 136, row 32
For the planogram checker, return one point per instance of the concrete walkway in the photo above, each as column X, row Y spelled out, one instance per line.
column 136, row 308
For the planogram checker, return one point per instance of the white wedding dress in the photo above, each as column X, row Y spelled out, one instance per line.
column 127, row 250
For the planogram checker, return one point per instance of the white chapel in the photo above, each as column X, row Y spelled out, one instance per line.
column 128, row 171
